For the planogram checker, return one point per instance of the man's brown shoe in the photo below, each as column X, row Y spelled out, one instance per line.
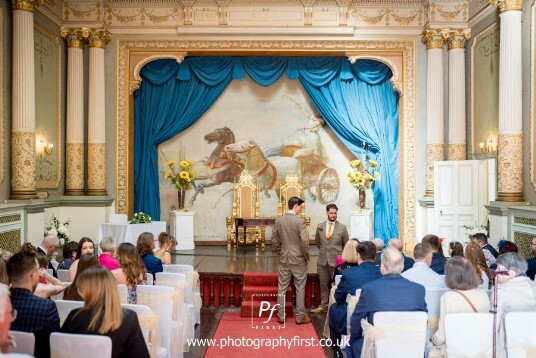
column 319, row 309
column 281, row 320
column 304, row 320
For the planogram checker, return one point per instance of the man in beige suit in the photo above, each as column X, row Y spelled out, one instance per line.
column 290, row 242
column 330, row 238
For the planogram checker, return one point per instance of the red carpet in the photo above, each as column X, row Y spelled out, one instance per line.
column 258, row 287
column 240, row 338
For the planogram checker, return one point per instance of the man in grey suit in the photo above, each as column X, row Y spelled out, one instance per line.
column 330, row 238
column 289, row 240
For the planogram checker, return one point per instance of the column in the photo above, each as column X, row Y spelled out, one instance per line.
column 509, row 149
column 457, row 149
column 74, row 141
column 23, row 101
column 435, row 141
column 98, row 38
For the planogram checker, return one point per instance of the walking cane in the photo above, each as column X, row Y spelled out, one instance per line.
column 496, row 274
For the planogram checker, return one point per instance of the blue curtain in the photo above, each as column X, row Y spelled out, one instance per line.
column 356, row 100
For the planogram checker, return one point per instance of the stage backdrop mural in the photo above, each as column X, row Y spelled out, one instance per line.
column 277, row 124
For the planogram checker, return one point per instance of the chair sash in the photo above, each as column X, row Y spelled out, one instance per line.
column 371, row 334
column 352, row 302
column 330, row 302
column 433, row 323
column 149, row 322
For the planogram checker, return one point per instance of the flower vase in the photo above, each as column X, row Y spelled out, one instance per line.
column 181, row 195
column 362, row 197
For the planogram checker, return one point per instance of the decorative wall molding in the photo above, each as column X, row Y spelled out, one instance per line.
column 135, row 77
column 532, row 164
column 130, row 51
column 2, row 99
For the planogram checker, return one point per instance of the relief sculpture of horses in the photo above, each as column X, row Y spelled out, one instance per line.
column 220, row 167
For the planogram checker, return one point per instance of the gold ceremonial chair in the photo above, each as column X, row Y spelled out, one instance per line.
column 292, row 187
column 245, row 205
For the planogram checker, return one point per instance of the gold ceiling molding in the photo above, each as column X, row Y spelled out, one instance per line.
column 130, row 51
column 387, row 15
column 447, row 15
column 136, row 77
column 395, row 64
column 184, row 3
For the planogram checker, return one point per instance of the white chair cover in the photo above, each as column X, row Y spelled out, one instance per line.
column 54, row 264
column 520, row 339
column 394, row 334
column 25, row 343
column 65, row 307
column 149, row 327
column 150, row 280
column 193, row 295
column 63, row 345
column 123, row 293
column 117, row 218
column 433, row 303
column 460, row 330
column 63, row 275
column 337, row 279
column 352, row 302
column 50, row 271
column 161, row 300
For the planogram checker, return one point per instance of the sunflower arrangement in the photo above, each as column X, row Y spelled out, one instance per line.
column 182, row 177
column 363, row 173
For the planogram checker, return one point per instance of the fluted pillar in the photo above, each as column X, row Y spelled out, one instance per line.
column 457, row 148
column 74, row 139
column 435, row 142
column 98, row 38
column 23, row 101
column 510, row 144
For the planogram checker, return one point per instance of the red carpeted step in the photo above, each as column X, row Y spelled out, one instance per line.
column 259, row 279
column 251, row 309
column 258, row 287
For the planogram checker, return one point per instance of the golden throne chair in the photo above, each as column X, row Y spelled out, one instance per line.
column 245, row 205
column 292, row 187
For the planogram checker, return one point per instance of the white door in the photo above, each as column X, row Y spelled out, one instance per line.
column 456, row 198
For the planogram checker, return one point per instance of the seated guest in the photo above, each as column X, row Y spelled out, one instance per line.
column 465, row 297
column 379, row 247
column 107, row 259
column 352, row 279
column 85, row 262
column 48, row 285
column 4, row 278
column 489, row 252
column 506, row 246
column 438, row 260
column 102, row 315
column 455, row 249
column 85, row 246
column 515, row 292
column 145, row 246
column 475, row 255
column 6, row 317
column 421, row 272
column 391, row 292
column 166, row 243
column 397, row 244
column 347, row 259
column 131, row 272
column 49, row 246
column 69, row 255
column 34, row 314
column 531, row 271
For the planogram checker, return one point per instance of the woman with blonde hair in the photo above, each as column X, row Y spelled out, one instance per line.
column 348, row 257
column 131, row 272
column 166, row 243
column 102, row 315
column 475, row 255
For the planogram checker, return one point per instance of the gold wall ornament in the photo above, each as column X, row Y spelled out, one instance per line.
column 507, row 5
column 26, row 5
column 510, row 167
column 371, row 20
column 457, row 151
column 395, row 64
column 433, row 38
column 23, row 165
column 82, row 12
column 406, row 20
column 187, row 9
column 96, row 177
column 99, row 37
column 434, row 152
column 457, row 38
column 74, row 167
column 75, row 37
column 135, row 80
column 449, row 16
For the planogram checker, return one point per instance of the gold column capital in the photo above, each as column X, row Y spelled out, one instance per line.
column 99, row 37
column 75, row 37
column 433, row 38
column 507, row 5
column 27, row 5
column 456, row 38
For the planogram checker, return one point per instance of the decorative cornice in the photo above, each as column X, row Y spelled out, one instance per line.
column 135, row 84
column 99, row 37
column 27, row 5
column 433, row 38
column 507, row 5
column 75, row 37
column 456, row 38
column 395, row 79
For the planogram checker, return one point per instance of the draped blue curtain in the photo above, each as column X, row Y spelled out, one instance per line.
column 356, row 101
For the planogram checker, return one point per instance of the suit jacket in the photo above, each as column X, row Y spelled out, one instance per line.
column 390, row 293
column 378, row 258
column 490, row 249
column 328, row 250
column 152, row 264
column 531, row 271
column 127, row 340
column 438, row 263
column 54, row 273
column 352, row 279
column 37, row 315
column 289, row 240
column 408, row 263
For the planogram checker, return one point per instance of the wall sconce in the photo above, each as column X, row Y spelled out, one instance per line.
column 44, row 148
column 487, row 148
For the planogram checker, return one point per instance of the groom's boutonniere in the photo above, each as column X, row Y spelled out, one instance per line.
column 320, row 228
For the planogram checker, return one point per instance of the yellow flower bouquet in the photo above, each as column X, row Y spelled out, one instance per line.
column 363, row 173
column 180, row 177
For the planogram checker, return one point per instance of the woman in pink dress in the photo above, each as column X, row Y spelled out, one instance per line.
column 107, row 259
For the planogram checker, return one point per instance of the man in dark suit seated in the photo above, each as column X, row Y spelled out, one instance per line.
column 49, row 246
column 482, row 240
column 34, row 314
column 392, row 292
column 531, row 271
column 352, row 279
column 438, row 259
column 397, row 244
column 379, row 247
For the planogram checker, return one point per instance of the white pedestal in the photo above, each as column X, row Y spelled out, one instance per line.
column 362, row 224
column 182, row 228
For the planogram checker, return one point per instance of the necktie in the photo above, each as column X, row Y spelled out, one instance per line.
column 330, row 230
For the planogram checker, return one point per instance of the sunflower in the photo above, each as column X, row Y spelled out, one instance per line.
column 360, row 181
column 184, row 164
column 373, row 163
column 368, row 177
column 377, row 176
column 356, row 175
column 168, row 174
column 355, row 163
column 184, row 175
column 187, row 180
